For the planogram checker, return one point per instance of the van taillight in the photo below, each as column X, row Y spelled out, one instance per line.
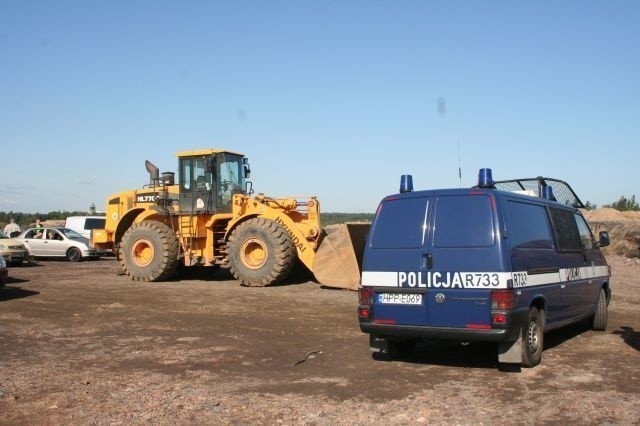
column 503, row 299
column 364, row 295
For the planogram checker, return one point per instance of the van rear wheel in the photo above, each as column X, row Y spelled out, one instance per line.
column 599, row 320
column 401, row 348
column 533, row 339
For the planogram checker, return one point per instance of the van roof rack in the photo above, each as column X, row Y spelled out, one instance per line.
column 562, row 191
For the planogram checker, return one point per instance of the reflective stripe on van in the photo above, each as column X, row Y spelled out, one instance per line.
column 479, row 280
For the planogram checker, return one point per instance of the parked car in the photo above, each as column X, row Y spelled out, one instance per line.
column 13, row 252
column 57, row 242
column 4, row 272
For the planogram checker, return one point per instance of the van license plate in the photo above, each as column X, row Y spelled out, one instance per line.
column 400, row 298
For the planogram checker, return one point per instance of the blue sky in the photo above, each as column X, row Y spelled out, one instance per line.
column 329, row 98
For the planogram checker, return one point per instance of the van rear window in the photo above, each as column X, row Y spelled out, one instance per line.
column 464, row 221
column 400, row 224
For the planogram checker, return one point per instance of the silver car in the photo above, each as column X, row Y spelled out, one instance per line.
column 13, row 252
column 57, row 242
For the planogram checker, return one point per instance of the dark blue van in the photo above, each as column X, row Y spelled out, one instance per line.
column 504, row 262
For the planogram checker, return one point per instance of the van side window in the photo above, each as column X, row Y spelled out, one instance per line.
column 566, row 230
column 465, row 221
column 400, row 224
column 585, row 233
column 94, row 223
column 529, row 226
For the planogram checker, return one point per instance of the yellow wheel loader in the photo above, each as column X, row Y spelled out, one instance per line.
column 209, row 217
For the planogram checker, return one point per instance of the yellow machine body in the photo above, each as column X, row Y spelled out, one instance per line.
column 200, row 226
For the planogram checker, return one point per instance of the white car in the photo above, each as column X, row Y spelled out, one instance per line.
column 57, row 242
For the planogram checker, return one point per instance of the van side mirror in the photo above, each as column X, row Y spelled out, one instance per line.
column 603, row 239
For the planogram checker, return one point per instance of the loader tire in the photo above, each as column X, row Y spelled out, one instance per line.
column 149, row 251
column 260, row 253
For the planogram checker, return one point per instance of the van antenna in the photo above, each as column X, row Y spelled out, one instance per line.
column 459, row 167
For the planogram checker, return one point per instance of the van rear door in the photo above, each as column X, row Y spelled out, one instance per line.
column 394, row 258
column 466, row 261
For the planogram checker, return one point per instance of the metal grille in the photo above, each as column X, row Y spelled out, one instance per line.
column 561, row 189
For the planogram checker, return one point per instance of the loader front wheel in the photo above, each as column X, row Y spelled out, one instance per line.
column 260, row 252
column 149, row 251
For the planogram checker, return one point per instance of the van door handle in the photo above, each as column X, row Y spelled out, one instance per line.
column 427, row 261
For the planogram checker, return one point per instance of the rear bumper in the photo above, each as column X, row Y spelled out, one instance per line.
column 516, row 320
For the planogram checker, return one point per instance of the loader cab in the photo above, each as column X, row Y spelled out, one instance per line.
column 209, row 179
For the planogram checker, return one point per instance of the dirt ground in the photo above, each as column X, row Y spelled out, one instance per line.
column 80, row 344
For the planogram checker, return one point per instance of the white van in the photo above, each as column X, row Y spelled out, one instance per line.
column 84, row 224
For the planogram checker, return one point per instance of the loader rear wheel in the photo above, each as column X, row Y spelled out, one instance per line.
column 260, row 252
column 149, row 251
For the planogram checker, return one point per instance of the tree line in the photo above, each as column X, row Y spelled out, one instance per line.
column 25, row 219
column 623, row 204
column 333, row 218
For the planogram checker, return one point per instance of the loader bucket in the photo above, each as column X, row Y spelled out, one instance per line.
column 338, row 260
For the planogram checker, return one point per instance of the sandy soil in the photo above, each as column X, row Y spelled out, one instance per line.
column 80, row 344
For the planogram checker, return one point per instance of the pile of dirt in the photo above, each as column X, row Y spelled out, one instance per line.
column 623, row 229
column 632, row 215
column 52, row 223
column 607, row 214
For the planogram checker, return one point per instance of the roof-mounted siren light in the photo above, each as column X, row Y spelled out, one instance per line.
column 485, row 179
column 406, row 183
column 547, row 192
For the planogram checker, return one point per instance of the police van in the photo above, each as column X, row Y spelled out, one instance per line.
column 503, row 261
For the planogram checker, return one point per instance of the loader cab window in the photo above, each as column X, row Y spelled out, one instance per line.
column 186, row 177
column 196, row 184
column 230, row 177
column 194, row 174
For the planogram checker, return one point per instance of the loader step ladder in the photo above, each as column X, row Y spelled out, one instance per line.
column 186, row 234
column 219, row 246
